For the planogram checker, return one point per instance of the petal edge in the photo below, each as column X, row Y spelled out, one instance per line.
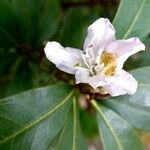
column 64, row 58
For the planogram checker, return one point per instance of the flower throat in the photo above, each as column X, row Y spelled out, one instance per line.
column 110, row 63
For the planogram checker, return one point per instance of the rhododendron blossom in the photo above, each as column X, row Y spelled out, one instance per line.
column 100, row 64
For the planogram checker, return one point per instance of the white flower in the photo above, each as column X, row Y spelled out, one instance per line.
column 100, row 64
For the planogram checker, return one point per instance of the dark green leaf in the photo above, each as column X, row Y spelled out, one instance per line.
column 132, row 19
column 8, row 26
column 115, row 132
column 26, row 12
column 32, row 119
column 72, row 32
column 71, row 137
column 49, row 19
column 90, row 129
column 21, row 79
column 5, row 63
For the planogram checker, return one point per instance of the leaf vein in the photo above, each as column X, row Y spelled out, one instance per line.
column 38, row 120
column 74, row 124
column 94, row 103
column 135, row 19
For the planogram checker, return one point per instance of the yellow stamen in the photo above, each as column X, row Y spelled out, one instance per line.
column 109, row 70
column 110, row 63
column 77, row 65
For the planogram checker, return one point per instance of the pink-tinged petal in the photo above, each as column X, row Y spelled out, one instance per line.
column 64, row 58
column 83, row 76
column 122, row 83
column 125, row 48
column 100, row 34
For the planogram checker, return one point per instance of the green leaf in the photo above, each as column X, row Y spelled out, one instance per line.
column 71, row 137
column 90, row 129
column 26, row 12
column 9, row 71
column 72, row 32
column 49, row 19
column 135, row 108
column 21, row 79
column 115, row 132
column 132, row 19
column 6, row 62
column 8, row 36
column 32, row 119
column 142, row 75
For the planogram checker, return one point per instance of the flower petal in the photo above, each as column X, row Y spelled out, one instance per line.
column 100, row 34
column 83, row 76
column 64, row 58
column 125, row 48
column 121, row 84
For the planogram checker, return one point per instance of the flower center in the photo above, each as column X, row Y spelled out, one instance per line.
column 110, row 63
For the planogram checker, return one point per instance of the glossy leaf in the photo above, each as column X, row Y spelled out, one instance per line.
column 115, row 132
column 32, row 119
column 135, row 108
column 71, row 137
column 72, row 32
column 132, row 19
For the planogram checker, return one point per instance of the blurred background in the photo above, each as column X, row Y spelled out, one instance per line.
column 26, row 26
